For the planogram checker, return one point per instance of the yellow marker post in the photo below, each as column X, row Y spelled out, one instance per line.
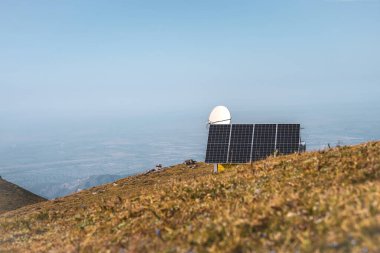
column 221, row 168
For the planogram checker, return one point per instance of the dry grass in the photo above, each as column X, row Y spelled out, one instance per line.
column 315, row 202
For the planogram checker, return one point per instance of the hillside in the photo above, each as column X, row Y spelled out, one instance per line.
column 317, row 201
column 13, row 196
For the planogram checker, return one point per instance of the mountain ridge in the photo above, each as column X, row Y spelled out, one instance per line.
column 13, row 196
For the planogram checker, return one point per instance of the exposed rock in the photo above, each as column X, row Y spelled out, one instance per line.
column 190, row 162
column 150, row 171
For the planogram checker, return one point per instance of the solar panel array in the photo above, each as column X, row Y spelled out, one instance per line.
column 243, row 143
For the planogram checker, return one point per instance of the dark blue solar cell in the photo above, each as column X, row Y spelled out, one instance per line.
column 219, row 134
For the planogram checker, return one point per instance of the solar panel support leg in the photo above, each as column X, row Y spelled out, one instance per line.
column 215, row 168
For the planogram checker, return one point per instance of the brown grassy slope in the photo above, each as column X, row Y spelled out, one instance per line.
column 13, row 196
column 319, row 201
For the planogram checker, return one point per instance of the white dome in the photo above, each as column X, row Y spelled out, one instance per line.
column 220, row 115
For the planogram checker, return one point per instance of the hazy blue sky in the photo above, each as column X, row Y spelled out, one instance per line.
column 74, row 58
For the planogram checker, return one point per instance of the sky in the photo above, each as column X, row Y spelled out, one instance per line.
column 87, row 59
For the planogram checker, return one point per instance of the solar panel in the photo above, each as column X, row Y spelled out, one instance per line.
column 240, row 143
column 218, row 142
column 264, row 141
column 288, row 138
column 243, row 143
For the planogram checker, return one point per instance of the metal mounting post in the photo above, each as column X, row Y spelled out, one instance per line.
column 215, row 168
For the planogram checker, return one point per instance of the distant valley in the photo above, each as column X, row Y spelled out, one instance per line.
column 52, row 191
column 57, row 160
